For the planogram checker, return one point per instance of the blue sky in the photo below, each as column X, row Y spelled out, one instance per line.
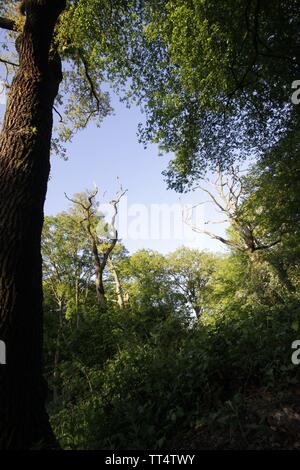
column 100, row 155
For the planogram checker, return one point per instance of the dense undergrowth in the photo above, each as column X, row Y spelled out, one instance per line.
column 153, row 391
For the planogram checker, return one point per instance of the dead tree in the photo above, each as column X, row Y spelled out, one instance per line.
column 102, row 247
column 228, row 195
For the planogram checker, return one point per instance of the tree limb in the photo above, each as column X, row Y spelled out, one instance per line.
column 8, row 62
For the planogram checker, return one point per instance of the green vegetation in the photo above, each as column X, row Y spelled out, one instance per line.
column 199, row 355
column 145, row 350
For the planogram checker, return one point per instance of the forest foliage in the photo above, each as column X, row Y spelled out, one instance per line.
column 188, row 348
column 200, row 352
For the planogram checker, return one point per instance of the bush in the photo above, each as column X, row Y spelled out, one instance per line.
column 151, row 391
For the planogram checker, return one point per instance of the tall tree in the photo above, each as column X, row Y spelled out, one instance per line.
column 67, row 263
column 25, row 142
column 103, row 236
column 190, row 273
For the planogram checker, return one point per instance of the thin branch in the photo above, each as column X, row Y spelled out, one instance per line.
column 59, row 115
column 76, row 202
column 8, row 62
column 266, row 247
column 90, row 81
column 217, row 203
column 216, row 237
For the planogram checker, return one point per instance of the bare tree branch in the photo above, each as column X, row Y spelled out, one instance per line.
column 59, row 115
column 230, row 191
column 8, row 62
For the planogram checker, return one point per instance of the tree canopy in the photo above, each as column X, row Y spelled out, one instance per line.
column 215, row 80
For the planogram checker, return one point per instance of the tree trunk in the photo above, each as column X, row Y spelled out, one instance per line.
column 101, row 297
column 77, row 301
column 277, row 268
column 282, row 275
column 57, row 353
column 99, row 266
column 118, row 286
column 197, row 311
column 24, row 170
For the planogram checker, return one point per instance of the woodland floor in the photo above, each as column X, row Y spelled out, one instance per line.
column 264, row 420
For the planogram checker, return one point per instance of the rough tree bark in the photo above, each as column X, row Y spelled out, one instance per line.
column 24, row 170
